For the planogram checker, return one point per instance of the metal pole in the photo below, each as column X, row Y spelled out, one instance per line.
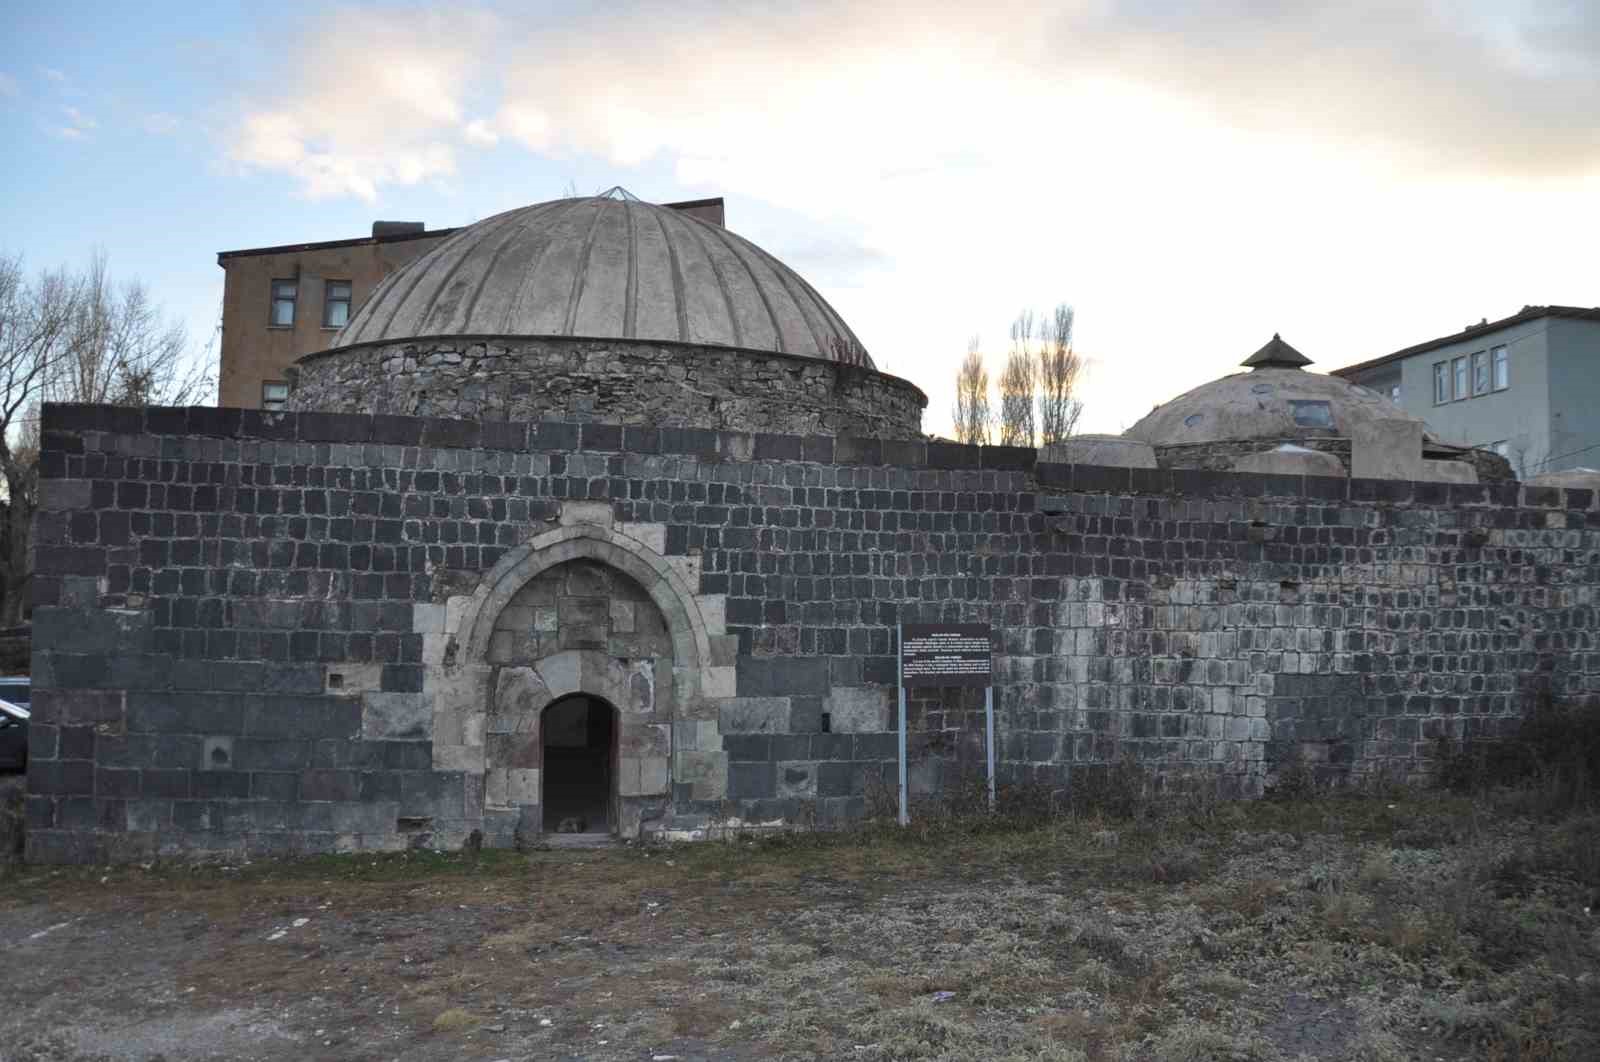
column 900, row 667
column 988, row 722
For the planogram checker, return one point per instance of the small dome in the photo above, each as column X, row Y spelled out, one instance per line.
column 605, row 268
column 1265, row 404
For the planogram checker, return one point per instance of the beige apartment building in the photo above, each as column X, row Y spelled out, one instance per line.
column 280, row 303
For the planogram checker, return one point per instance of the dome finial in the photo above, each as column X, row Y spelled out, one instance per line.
column 1276, row 355
column 620, row 194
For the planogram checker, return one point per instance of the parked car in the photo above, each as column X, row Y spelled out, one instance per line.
column 14, row 723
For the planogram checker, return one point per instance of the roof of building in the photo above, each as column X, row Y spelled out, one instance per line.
column 1527, row 313
column 605, row 267
column 324, row 245
column 1276, row 355
column 1276, row 400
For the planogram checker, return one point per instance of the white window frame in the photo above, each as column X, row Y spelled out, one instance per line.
column 1499, row 368
column 1460, row 375
column 274, row 395
column 329, row 301
column 1394, row 393
column 291, row 299
column 1480, row 373
column 1441, row 382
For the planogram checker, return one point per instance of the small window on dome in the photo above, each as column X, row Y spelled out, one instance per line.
column 1262, row 389
column 1312, row 414
column 1192, row 419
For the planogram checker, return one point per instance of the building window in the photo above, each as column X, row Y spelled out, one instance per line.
column 1502, row 368
column 1480, row 373
column 1460, row 370
column 336, row 304
column 1394, row 393
column 1311, row 413
column 1441, row 383
column 283, row 292
column 274, row 394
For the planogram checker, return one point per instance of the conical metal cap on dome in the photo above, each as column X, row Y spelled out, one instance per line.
column 1276, row 355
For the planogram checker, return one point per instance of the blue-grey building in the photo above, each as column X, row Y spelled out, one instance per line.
column 1526, row 386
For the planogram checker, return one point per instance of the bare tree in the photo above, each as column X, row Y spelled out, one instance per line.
column 1017, row 385
column 71, row 336
column 1059, row 369
column 972, row 413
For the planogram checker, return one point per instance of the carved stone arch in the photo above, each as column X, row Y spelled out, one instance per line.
column 691, row 645
column 469, row 687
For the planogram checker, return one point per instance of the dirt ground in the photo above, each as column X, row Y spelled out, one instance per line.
column 1368, row 928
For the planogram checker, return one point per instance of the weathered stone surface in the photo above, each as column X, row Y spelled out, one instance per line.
column 1197, row 621
column 629, row 382
column 395, row 716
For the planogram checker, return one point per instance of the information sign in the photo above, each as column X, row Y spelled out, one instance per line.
column 945, row 654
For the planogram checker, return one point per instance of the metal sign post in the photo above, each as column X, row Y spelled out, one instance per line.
column 946, row 654
column 900, row 646
column 988, row 725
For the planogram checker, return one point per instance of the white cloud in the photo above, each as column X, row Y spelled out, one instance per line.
column 52, row 74
column 480, row 133
column 371, row 103
column 1193, row 177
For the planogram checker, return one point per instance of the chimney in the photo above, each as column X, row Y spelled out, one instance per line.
column 385, row 229
column 707, row 210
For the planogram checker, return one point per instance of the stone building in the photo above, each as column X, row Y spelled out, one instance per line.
column 1279, row 418
column 601, row 516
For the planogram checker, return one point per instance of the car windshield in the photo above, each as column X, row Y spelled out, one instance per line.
column 9, row 710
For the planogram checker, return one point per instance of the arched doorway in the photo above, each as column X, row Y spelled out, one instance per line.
column 578, row 776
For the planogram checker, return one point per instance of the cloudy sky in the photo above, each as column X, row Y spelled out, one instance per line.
column 1192, row 177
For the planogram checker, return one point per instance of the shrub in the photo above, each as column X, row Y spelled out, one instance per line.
column 1554, row 756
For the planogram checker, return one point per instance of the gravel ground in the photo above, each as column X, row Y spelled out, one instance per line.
column 1364, row 929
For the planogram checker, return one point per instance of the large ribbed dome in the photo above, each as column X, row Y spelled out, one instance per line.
column 605, row 268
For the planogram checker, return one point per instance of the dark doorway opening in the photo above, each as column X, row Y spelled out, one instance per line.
column 578, row 735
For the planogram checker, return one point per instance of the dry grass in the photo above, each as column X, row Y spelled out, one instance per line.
column 1340, row 927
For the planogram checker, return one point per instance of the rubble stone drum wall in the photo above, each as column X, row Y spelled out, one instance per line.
column 265, row 633
column 620, row 381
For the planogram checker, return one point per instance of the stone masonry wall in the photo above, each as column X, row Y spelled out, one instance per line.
column 615, row 381
column 262, row 633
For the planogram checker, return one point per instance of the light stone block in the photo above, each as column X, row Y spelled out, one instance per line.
column 622, row 617
column 458, row 757
column 522, row 785
column 597, row 513
column 1386, row 449
column 755, row 715
column 494, row 787
column 628, row 776
column 718, row 682
column 651, row 536
column 857, row 709
column 655, row 775
column 714, row 611
column 546, row 619
column 427, row 619
column 454, row 609
column 688, row 568
column 701, row 765
column 639, row 740
column 562, row 673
